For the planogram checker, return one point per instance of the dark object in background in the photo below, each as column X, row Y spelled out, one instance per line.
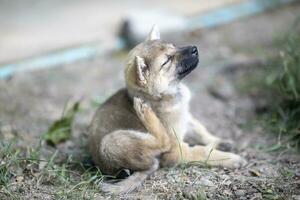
column 127, row 36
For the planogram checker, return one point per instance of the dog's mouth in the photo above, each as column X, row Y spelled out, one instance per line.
column 187, row 67
column 188, row 63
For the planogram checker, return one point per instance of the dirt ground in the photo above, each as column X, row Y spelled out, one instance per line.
column 30, row 102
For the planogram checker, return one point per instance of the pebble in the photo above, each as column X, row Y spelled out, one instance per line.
column 240, row 193
column 234, row 188
column 206, row 182
column 296, row 197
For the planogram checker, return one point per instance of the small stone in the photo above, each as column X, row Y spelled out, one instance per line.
column 227, row 192
column 209, row 195
column 206, row 182
column 254, row 173
column 240, row 193
column 225, row 177
column 258, row 195
column 296, row 197
column 19, row 179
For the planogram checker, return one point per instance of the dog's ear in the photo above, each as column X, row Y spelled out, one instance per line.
column 142, row 70
column 154, row 33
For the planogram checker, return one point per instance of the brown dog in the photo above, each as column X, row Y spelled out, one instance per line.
column 143, row 126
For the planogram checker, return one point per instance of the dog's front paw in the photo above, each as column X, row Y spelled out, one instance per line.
column 117, row 188
column 141, row 108
column 234, row 161
column 112, row 189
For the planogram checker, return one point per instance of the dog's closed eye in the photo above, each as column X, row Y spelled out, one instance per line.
column 169, row 59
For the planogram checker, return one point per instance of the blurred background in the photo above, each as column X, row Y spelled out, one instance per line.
column 30, row 28
column 60, row 60
column 35, row 27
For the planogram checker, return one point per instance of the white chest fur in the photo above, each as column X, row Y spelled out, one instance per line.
column 174, row 113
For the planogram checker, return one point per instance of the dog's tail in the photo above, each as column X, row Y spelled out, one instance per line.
column 131, row 183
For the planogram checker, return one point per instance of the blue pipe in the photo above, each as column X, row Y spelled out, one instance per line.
column 230, row 13
column 51, row 60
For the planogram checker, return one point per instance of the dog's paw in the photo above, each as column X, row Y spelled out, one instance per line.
column 111, row 189
column 141, row 108
column 234, row 161
column 116, row 188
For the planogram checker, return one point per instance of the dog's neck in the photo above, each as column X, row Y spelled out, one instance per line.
column 160, row 100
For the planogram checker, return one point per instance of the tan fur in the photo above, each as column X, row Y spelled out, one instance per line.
column 144, row 125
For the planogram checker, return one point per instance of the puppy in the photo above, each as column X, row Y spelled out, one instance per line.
column 142, row 127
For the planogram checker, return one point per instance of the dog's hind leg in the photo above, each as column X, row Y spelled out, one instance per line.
column 135, row 150
column 132, row 182
column 128, row 149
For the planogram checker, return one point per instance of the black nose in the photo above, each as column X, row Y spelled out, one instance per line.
column 194, row 51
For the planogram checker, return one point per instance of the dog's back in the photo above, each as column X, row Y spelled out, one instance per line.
column 117, row 113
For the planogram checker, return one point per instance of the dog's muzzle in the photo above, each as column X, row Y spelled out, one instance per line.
column 188, row 62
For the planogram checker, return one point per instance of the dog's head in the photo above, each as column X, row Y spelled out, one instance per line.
column 156, row 67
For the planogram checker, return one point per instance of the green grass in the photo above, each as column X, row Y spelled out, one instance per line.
column 278, row 82
column 61, row 129
column 68, row 178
